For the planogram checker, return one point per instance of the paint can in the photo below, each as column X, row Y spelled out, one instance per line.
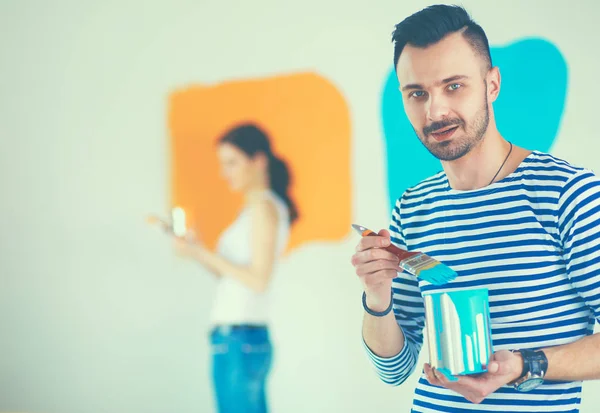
column 458, row 330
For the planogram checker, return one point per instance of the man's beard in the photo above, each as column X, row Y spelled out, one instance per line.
column 451, row 150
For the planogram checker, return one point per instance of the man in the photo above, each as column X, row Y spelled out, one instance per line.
column 521, row 223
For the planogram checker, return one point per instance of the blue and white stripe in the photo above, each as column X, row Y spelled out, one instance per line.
column 532, row 239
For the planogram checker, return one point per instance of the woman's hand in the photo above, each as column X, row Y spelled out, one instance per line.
column 188, row 246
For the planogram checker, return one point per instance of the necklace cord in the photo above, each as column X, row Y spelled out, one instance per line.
column 502, row 166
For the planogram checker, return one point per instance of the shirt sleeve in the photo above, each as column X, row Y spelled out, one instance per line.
column 579, row 230
column 410, row 315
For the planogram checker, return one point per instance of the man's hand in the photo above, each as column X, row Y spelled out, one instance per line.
column 504, row 367
column 376, row 268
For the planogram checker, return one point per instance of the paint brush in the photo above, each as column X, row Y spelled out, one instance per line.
column 416, row 263
column 154, row 220
column 177, row 224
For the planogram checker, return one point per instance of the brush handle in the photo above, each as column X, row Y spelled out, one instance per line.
column 165, row 225
column 398, row 252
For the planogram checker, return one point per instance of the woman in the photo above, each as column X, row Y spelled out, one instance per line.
column 246, row 256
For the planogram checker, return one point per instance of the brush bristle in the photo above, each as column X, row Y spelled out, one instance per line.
column 438, row 275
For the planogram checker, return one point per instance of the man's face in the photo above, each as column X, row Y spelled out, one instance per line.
column 445, row 92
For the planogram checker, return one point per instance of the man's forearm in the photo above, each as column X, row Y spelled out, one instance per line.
column 579, row 360
column 382, row 335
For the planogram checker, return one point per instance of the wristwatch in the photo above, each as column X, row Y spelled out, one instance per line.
column 535, row 365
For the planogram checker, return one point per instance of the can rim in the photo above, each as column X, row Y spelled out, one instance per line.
column 456, row 290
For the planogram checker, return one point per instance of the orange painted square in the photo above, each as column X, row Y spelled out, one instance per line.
column 308, row 123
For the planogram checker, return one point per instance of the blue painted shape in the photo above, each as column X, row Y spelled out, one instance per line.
column 528, row 110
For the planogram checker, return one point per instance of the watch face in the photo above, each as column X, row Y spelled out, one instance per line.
column 530, row 384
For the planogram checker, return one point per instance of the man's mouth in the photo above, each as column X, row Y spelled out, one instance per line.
column 444, row 133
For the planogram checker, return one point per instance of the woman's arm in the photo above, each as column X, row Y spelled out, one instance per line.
column 263, row 245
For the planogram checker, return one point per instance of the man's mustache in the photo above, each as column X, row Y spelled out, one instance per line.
column 441, row 124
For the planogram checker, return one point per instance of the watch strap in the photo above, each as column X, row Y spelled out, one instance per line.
column 535, row 364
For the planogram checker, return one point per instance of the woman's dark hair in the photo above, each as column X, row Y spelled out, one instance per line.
column 252, row 140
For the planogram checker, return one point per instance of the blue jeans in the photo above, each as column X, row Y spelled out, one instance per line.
column 242, row 358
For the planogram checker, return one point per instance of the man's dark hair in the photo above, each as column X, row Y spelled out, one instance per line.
column 433, row 23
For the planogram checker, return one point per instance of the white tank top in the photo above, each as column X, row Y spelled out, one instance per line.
column 235, row 303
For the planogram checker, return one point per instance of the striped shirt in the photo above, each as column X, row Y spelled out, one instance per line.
column 533, row 240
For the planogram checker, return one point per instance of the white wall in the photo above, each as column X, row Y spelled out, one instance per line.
column 96, row 314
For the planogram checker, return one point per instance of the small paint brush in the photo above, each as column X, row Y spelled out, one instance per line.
column 416, row 263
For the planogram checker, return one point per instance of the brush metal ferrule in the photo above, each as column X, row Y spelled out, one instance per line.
column 416, row 263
